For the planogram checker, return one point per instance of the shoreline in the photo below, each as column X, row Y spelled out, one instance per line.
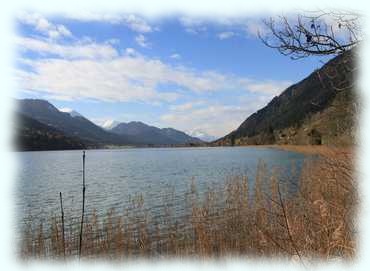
column 322, row 150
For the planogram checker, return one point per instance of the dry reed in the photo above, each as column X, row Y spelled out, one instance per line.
column 316, row 221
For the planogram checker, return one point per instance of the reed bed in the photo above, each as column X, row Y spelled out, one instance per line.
column 316, row 220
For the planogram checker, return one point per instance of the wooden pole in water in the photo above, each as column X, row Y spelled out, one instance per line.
column 63, row 239
column 83, row 203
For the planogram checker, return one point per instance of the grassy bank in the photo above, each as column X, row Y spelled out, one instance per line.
column 317, row 221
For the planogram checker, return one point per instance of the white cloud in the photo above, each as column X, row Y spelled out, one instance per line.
column 137, row 24
column 201, row 135
column 65, row 109
column 192, row 24
column 96, row 71
column 141, row 40
column 229, row 26
column 186, row 106
column 59, row 97
column 253, row 28
column 271, row 87
column 175, row 56
column 88, row 16
column 63, row 30
column 190, row 21
column 131, row 52
column 43, row 26
column 135, row 68
column 113, row 41
column 109, row 124
column 120, row 79
column 225, row 35
column 134, row 22
column 182, row 107
column 214, row 119
column 73, row 51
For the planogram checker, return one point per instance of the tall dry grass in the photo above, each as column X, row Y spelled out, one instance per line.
column 267, row 219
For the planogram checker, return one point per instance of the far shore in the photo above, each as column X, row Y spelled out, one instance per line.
column 323, row 150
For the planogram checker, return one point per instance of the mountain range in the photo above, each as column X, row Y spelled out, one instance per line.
column 153, row 135
column 74, row 125
column 41, row 117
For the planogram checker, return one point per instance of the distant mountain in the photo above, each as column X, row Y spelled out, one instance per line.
column 180, row 136
column 317, row 110
column 71, row 124
column 203, row 136
column 32, row 135
column 147, row 134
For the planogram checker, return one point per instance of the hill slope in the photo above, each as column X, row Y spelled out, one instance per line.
column 317, row 110
column 32, row 135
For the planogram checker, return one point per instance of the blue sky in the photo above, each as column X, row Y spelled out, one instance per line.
column 199, row 75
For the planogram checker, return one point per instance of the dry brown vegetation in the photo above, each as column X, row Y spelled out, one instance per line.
column 316, row 221
column 345, row 154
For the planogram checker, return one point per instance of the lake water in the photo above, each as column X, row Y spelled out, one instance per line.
column 113, row 175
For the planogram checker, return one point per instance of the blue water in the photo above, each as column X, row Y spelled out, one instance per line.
column 112, row 176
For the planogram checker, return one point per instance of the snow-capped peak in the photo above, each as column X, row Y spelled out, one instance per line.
column 70, row 111
column 202, row 135
column 109, row 124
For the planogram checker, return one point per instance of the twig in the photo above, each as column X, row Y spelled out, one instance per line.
column 83, row 203
column 287, row 226
column 62, row 212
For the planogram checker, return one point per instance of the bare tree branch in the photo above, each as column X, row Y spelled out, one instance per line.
column 312, row 33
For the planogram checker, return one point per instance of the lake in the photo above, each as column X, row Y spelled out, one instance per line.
column 112, row 176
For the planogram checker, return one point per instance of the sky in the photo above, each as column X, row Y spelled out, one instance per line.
column 198, row 75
